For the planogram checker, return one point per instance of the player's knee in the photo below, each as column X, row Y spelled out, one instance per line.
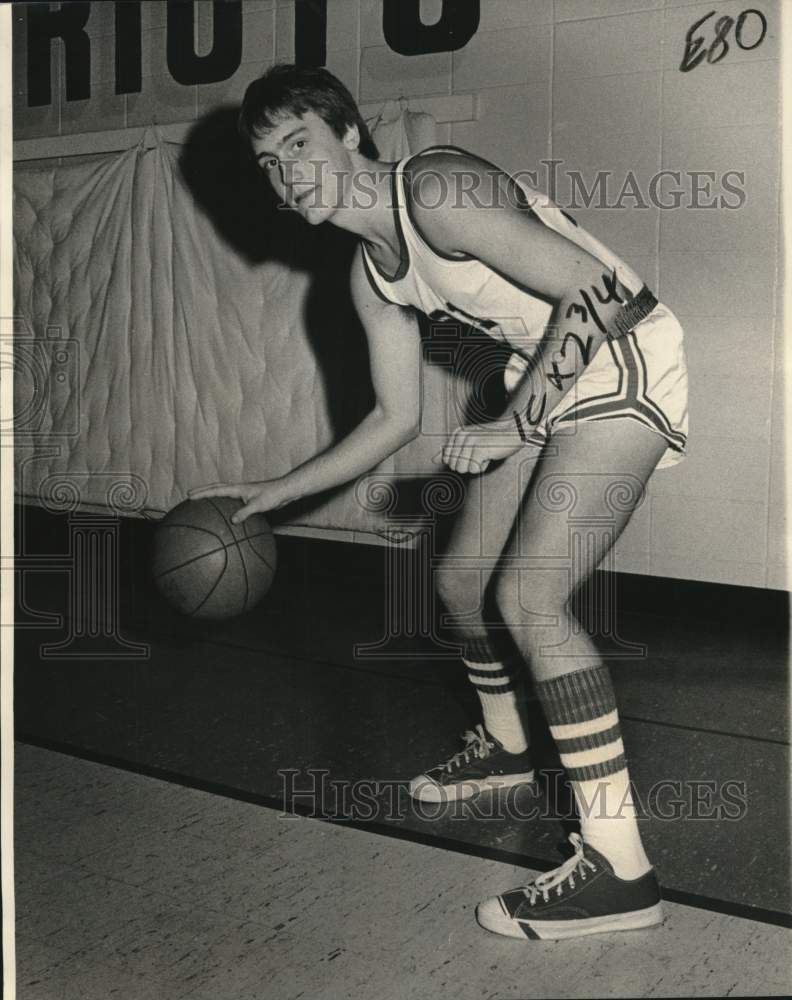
column 459, row 592
column 533, row 606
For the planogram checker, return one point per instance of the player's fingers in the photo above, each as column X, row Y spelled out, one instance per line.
column 453, row 461
column 216, row 490
column 244, row 512
column 462, row 460
column 456, row 451
column 447, row 454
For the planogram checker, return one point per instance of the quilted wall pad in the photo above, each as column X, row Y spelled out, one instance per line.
column 174, row 329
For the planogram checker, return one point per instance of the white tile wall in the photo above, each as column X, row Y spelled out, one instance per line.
column 161, row 100
column 725, row 152
column 778, row 528
column 385, row 74
column 371, row 23
column 154, row 15
column 646, row 266
column 778, row 577
column 698, row 566
column 500, row 14
column 569, row 10
column 778, row 520
column 710, row 528
column 342, row 24
column 628, row 561
column 500, row 58
column 717, row 284
column 729, row 405
column 727, row 467
column 603, row 46
column 228, row 92
column 345, row 64
column 512, row 127
column 727, row 93
column 609, row 105
column 101, row 21
column 724, row 345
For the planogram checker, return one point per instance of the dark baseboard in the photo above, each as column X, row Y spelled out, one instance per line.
column 703, row 601
column 41, row 532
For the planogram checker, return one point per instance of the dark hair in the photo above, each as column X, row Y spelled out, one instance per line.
column 292, row 90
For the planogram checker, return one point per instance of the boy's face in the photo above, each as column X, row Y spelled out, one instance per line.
column 307, row 164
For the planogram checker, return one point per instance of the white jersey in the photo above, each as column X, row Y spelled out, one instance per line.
column 639, row 376
column 465, row 289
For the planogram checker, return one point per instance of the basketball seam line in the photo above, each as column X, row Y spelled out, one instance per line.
column 220, row 548
column 230, row 527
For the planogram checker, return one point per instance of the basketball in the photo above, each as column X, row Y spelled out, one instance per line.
column 207, row 567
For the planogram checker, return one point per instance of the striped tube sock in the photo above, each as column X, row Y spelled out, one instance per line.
column 584, row 721
column 498, row 689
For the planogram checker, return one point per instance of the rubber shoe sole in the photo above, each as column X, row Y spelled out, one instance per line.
column 426, row 789
column 492, row 916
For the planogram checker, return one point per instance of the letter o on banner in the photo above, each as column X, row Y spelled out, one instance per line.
column 406, row 34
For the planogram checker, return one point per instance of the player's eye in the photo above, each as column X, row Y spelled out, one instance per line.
column 270, row 164
column 298, row 143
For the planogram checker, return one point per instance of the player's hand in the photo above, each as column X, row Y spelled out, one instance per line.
column 257, row 497
column 472, row 447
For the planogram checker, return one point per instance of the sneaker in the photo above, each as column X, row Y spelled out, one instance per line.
column 481, row 765
column 582, row 896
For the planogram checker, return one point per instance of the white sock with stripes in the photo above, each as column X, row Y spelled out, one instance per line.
column 497, row 692
column 581, row 710
column 608, row 822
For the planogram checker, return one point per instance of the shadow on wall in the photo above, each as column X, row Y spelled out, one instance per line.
column 227, row 184
column 231, row 190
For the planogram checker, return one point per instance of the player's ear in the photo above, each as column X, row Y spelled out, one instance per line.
column 352, row 137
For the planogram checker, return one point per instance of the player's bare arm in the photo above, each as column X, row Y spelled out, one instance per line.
column 395, row 358
column 512, row 241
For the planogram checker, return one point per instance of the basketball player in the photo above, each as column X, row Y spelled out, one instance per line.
column 595, row 407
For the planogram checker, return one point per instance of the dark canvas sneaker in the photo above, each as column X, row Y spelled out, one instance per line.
column 481, row 765
column 582, row 896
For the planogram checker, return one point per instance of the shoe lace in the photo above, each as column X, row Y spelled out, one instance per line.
column 476, row 745
column 577, row 865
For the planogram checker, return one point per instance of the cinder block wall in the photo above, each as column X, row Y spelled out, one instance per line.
column 591, row 85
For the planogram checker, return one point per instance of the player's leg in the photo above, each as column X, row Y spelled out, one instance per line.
column 578, row 503
column 496, row 753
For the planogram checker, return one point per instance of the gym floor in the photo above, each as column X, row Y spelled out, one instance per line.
column 186, row 828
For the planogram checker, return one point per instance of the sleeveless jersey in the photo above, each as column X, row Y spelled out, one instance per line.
column 640, row 376
column 467, row 290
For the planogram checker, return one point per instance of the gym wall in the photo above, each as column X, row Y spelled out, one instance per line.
column 571, row 88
